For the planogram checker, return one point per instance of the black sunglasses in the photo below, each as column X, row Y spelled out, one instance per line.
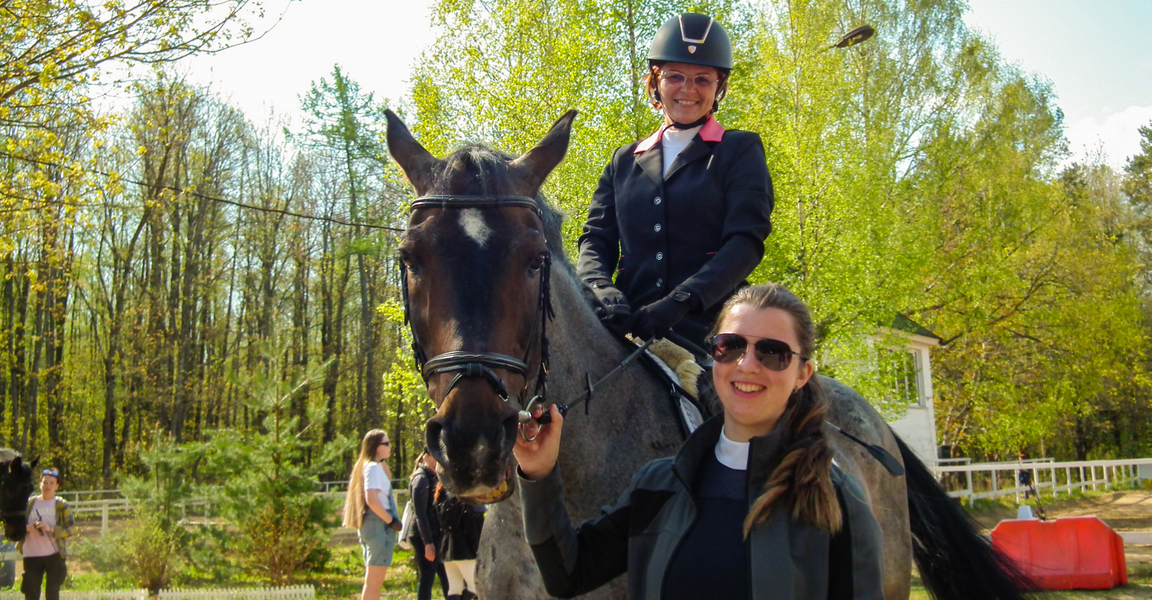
column 775, row 355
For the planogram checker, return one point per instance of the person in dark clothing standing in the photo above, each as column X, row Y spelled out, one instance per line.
column 750, row 508
column 460, row 528
column 426, row 535
column 678, row 220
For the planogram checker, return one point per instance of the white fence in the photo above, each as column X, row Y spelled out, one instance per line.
column 193, row 512
column 299, row 592
column 992, row 480
column 73, row 595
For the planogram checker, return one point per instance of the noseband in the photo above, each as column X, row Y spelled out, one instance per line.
column 465, row 363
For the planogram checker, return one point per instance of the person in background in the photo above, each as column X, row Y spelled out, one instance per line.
column 45, row 547
column 426, row 535
column 370, row 507
column 460, row 525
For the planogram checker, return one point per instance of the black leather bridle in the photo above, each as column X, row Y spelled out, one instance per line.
column 466, row 363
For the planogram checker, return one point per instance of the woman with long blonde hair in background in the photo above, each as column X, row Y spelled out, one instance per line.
column 370, row 508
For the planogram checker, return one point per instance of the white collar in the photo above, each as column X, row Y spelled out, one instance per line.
column 733, row 455
column 680, row 138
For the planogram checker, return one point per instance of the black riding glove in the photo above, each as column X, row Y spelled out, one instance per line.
column 654, row 320
column 610, row 305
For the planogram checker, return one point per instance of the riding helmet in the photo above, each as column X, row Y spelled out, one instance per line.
column 693, row 39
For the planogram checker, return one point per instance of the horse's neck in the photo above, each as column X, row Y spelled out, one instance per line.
column 578, row 337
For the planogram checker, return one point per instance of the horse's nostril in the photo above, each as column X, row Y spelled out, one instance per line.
column 433, row 432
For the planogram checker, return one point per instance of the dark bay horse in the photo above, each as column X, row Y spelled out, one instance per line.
column 483, row 273
column 16, row 485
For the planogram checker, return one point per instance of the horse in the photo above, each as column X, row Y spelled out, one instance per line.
column 16, row 485
column 500, row 321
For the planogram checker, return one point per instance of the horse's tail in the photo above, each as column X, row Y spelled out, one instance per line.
column 954, row 560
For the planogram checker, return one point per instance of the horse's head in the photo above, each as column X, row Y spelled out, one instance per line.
column 16, row 485
column 476, row 260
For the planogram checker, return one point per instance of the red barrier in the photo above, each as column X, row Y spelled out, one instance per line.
column 1069, row 553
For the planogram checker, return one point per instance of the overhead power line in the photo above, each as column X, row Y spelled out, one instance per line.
column 196, row 194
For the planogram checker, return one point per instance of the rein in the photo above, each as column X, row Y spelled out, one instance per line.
column 465, row 363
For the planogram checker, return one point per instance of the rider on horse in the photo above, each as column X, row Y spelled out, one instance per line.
column 681, row 217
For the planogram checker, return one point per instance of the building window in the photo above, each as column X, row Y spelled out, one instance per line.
column 900, row 371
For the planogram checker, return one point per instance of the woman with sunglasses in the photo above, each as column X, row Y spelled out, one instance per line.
column 45, row 546
column 678, row 220
column 370, row 508
column 751, row 507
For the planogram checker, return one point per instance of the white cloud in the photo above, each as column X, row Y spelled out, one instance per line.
column 1116, row 134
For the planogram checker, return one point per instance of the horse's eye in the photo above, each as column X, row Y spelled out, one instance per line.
column 410, row 263
column 538, row 262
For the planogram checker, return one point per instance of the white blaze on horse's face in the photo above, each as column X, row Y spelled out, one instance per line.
column 472, row 221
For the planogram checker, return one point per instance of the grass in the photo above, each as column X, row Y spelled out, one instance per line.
column 340, row 579
column 1139, row 587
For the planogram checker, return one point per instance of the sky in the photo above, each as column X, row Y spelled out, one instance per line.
column 1092, row 52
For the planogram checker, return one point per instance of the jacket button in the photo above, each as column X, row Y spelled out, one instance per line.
column 657, row 200
column 659, row 256
column 659, row 283
column 657, row 228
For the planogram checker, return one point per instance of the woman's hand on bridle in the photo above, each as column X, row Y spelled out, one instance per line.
column 538, row 458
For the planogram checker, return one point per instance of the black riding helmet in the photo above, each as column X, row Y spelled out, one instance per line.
column 693, row 39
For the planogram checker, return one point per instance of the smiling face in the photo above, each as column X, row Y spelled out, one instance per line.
column 687, row 102
column 754, row 397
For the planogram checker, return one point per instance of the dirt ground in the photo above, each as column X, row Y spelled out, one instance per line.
column 1122, row 511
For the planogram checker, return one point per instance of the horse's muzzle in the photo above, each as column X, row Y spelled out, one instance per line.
column 475, row 455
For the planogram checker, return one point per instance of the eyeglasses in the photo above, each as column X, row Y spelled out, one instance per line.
column 677, row 79
column 52, row 472
column 775, row 355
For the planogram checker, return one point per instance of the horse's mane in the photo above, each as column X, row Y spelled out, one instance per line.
column 490, row 176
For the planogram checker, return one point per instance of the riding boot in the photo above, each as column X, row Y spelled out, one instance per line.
column 454, row 597
column 468, row 595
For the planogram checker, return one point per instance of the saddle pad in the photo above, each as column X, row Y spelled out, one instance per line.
column 690, row 417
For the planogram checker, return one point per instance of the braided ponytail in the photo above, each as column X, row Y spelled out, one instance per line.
column 804, row 474
column 803, row 477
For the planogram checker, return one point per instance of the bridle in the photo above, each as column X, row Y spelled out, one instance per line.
column 21, row 513
column 466, row 363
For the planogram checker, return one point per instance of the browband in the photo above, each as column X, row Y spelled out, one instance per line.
column 455, row 201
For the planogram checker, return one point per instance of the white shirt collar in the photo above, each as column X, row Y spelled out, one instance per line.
column 733, row 455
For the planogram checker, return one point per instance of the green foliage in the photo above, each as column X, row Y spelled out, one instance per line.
column 149, row 553
column 263, row 484
column 914, row 174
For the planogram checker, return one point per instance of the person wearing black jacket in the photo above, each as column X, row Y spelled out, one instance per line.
column 678, row 220
column 425, row 537
column 460, row 528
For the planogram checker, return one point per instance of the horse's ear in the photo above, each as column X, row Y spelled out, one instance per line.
column 14, row 466
column 418, row 164
column 35, row 461
column 535, row 165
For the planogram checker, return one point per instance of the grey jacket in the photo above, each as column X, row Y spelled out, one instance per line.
column 640, row 534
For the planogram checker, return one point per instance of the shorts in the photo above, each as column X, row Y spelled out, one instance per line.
column 378, row 540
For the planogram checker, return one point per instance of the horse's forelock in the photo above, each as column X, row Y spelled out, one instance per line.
column 479, row 170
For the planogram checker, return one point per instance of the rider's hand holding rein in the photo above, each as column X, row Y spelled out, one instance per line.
column 538, row 458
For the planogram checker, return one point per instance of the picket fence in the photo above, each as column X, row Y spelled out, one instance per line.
column 297, row 592
column 74, row 595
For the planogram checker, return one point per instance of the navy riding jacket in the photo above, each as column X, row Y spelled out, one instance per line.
column 700, row 228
